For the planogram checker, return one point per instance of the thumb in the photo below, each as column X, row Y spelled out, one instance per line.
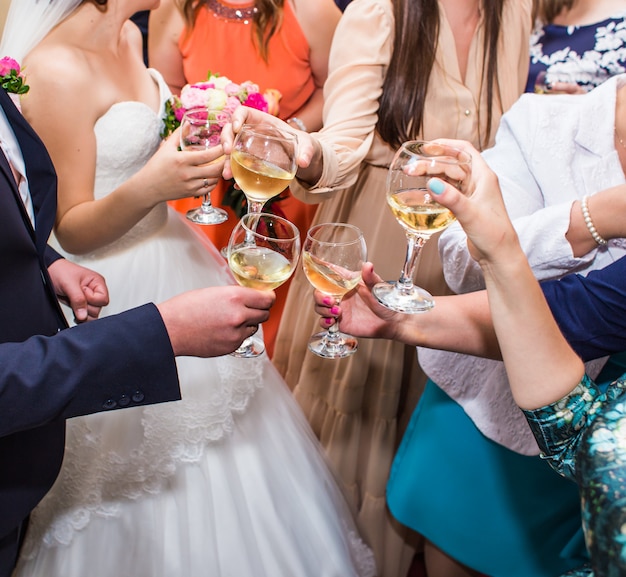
column 370, row 278
column 78, row 302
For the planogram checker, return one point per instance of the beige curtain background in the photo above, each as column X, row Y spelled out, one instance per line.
column 4, row 8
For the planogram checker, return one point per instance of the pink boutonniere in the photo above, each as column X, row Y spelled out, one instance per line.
column 12, row 80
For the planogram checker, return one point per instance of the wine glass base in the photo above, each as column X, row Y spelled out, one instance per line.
column 250, row 348
column 207, row 216
column 409, row 301
column 344, row 345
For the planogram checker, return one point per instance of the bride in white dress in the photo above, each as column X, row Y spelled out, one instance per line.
column 229, row 481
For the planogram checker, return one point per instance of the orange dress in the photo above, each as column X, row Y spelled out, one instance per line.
column 221, row 42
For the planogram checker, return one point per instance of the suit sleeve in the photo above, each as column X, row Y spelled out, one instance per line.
column 116, row 362
column 591, row 310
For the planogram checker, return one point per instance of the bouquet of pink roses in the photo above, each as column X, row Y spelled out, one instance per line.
column 218, row 93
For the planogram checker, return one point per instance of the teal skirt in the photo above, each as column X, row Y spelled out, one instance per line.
column 494, row 510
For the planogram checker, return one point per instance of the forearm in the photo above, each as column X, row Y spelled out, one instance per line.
column 603, row 208
column 533, row 348
column 310, row 114
column 91, row 225
column 457, row 323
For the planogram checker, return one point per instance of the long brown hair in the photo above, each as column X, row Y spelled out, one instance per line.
column 548, row 10
column 265, row 22
column 401, row 112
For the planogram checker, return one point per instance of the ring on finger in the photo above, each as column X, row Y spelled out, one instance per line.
column 205, row 183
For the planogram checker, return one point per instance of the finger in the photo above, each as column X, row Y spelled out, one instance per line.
column 370, row 278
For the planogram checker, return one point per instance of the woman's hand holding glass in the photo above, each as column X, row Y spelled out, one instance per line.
column 262, row 253
column 416, row 209
column 332, row 258
column 263, row 162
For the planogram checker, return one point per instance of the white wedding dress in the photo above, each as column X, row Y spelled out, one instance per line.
column 228, row 482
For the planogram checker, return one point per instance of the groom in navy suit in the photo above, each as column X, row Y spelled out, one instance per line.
column 49, row 372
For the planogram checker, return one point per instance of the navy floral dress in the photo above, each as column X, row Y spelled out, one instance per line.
column 583, row 437
column 587, row 55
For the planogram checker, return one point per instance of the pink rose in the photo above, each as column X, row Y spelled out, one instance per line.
column 194, row 96
column 232, row 103
column 7, row 64
column 232, row 89
column 257, row 101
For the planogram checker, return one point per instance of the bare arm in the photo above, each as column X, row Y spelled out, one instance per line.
column 318, row 21
column 165, row 27
column 541, row 366
column 603, row 208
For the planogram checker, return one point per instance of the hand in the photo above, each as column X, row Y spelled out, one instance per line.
column 480, row 211
column 171, row 174
column 359, row 314
column 214, row 321
column 565, row 88
column 307, row 145
column 84, row 290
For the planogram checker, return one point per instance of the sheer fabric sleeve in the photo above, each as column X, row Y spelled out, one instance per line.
column 359, row 57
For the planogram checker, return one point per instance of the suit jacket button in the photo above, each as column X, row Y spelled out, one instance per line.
column 109, row 404
column 138, row 397
column 124, row 401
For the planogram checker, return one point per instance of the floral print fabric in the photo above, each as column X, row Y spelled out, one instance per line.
column 587, row 55
column 583, row 436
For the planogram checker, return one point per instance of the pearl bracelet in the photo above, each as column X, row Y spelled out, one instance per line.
column 299, row 124
column 592, row 229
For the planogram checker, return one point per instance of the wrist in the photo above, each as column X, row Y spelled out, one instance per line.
column 297, row 123
column 584, row 207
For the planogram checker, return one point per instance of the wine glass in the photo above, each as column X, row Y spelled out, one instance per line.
column 263, row 162
column 201, row 129
column 332, row 258
column 416, row 209
column 262, row 253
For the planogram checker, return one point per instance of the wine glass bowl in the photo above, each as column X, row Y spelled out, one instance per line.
column 415, row 208
column 263, row 162
column 263, row 251
column 201, row 129
column 332, row 259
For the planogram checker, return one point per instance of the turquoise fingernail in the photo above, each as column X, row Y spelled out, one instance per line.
column 436, row 186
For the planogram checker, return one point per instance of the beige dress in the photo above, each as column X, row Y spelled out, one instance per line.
column 358, row 406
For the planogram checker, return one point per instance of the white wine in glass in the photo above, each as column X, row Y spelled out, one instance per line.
column 415, row 208
column 263, row 251
column 263, row 162
column 332, row 258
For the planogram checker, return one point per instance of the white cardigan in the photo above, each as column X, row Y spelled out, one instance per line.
column 549, row 151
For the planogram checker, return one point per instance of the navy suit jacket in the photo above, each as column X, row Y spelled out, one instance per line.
column 47, row 371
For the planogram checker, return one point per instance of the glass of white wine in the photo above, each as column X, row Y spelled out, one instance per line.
column 416, row 209
column 263, row 251
column 201, row 129
column 263, row 161
column 332, row 258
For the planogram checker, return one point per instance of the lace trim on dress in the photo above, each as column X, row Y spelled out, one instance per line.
column 152, row 448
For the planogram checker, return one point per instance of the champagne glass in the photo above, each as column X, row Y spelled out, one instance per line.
column 201, row 129
column 332, row 258
column 416, row 209
column 262, row 253
column 263, row 162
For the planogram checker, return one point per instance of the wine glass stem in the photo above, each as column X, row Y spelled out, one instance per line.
column 206, row 202
column 413, row 250
column 255, row 207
